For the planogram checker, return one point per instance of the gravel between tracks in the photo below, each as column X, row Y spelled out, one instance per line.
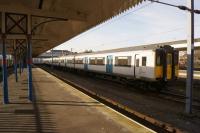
column 160, row 109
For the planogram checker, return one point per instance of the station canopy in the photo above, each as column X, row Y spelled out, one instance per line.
column 56, row 21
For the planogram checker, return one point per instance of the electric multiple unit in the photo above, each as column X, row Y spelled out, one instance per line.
column 9, row 61
column 141, row 62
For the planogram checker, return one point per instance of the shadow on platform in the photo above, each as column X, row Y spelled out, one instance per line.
column 26, row 117
column 22, row 116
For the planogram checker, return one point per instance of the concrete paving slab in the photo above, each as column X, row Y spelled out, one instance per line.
column 59, row 108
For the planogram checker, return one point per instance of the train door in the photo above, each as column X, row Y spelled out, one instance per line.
column 169, row 66
column 166, row 63
column 144, row 64
column 65, row 62
column 137, row 66
column 175, row 64
column 159, row 64
column 86, row 63
column 109, row 65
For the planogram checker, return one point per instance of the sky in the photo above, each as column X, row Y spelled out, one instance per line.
column 144, row 24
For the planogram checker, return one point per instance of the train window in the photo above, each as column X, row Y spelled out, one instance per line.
column 137, row 62
column 144, row 61
column 79, row 61
column 85, row 61
column 62, row 61
column 69, row 61
column 100, row 61
column 158, row 62
column 123, row 61
column 169, row 59
column 92, row 61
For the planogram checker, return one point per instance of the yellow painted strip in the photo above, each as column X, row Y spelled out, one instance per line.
column 169, row 71
column 176, row 70
column 159, row 71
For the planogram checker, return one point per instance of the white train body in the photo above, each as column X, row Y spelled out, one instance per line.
column 136, row 63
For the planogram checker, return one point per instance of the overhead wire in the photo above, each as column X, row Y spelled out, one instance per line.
column 181, row 7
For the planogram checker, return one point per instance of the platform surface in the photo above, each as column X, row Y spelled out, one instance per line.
column 58, row 108
column 183, row 74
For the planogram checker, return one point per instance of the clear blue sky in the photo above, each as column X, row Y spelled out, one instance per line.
column 145, row 23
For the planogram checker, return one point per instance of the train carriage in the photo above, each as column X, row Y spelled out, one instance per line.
column 97, row 63
column 144, row 63
column 70, row 61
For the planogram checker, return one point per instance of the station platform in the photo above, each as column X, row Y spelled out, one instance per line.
column 58, row 108
column 183, row 74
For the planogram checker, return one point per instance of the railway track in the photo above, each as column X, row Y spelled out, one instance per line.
column 148, row 121
column 167, row 94
column 179, row 98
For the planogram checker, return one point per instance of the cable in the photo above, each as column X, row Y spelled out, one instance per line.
column 163, row 3
column 181, row 7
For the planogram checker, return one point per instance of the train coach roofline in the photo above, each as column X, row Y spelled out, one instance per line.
column 151, row 46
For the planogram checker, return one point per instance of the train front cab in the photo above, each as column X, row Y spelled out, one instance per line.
column 166, row 63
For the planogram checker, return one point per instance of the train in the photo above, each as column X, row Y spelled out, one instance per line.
column 9, row 61
column 152, row 64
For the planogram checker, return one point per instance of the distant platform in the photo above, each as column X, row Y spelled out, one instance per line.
column 59, row 108
column 183, row 73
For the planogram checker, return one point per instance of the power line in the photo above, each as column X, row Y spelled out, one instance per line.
column 181, row 7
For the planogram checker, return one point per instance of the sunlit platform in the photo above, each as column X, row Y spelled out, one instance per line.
column 183, row 74
column 58, row 108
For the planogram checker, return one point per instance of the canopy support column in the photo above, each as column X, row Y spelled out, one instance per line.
column 29, row 68
column 4, row 68
column 29, row 60
column 15, row 66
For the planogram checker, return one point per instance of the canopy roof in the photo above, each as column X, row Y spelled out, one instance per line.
column 66, row 19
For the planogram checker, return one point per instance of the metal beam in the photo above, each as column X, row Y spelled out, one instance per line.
column 190, row 58
column 67, row 14
column 34, row 37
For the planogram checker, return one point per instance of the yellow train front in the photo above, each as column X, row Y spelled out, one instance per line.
column 166, row 68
